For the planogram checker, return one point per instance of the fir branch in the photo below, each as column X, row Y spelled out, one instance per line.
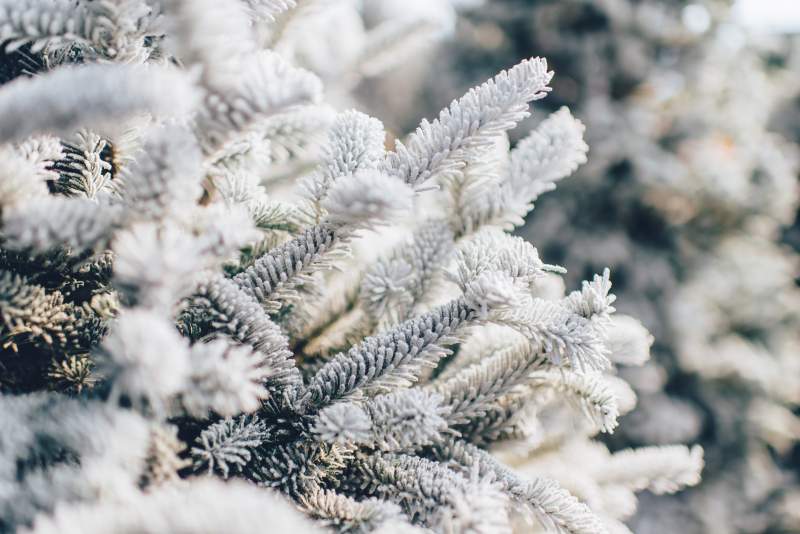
column 229, row 445
column 44, row 151
column 163, row 456
column 429, row 492
column 464, row 129
column 93, row 97
column 20, row 179
column 226, row 379
column 366, row 199
column 298, row 134
column 237, row 314
column 115, row 30
column 355, row 142
column 82, row 330
column 391, row 359
column 83, row 171
column 553, row 151
column 155, row 266
column 494, row 251
column 165, row 175
column 44, row 224
column 629, row 341
column 588, row 392
column 348, row 515
column 269, row 86
column 502, row 194
column 594, row 300
column 472, row 391
column 296, row 467
column 556, row 508
column 343, row 423
column 283, row 264
column 397, row 357
column 398, row 421
column 73, row 374
column 392, row 286
column 664, row 469
column 562, row 335
column 27, row 310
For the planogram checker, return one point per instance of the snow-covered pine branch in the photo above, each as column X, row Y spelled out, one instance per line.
column 588, row 392
column 50, row 222
column 345, row 513
column 355, row 143
column 553, row 151
column 462, row 131
column 427, row 491
column 114, row 30
column 659, row 469
column 229, row 445
column 399, row 421
column 92, row 96
column 268, row 86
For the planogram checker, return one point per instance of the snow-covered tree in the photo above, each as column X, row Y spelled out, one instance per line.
column 224, row 303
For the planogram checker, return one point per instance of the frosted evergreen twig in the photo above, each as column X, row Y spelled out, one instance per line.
column 229, row 445
column 236, row 313
column 469, row 124
column 555, row 507
column 88, row 96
